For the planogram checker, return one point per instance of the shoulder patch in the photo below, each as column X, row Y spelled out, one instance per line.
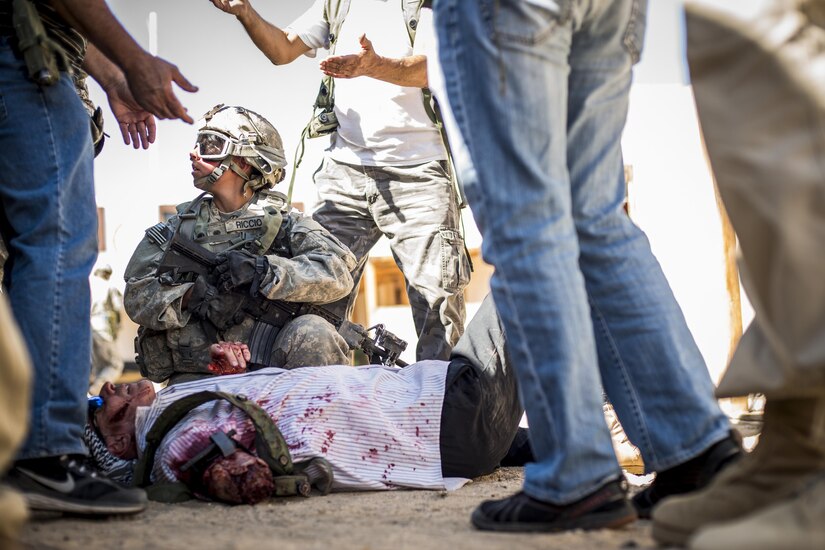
column 159, row 233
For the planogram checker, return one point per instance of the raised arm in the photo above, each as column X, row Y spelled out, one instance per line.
column 405, row 71
column 150, row 78
column 278, row 46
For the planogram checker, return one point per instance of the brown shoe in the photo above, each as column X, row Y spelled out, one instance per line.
column 628, row 455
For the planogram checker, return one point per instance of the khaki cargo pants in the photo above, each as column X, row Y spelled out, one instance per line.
column 415, row 207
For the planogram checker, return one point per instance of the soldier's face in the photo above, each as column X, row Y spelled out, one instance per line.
column 201, row 168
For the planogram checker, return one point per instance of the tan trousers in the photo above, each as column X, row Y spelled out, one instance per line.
column 15, row 385
column 758, row 73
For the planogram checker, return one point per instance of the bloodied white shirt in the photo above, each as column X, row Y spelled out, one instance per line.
column 378, row 427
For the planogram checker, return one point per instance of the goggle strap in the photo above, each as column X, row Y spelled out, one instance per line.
column 237, row 169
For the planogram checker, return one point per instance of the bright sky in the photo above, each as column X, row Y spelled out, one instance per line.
column 213, row 51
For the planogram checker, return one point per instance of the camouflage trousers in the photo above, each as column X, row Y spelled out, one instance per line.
column 107, row 364
column 415, row 207
column 306, row 341
column 309, row 341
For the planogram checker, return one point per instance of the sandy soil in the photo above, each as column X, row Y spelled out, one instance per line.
column 364, row 521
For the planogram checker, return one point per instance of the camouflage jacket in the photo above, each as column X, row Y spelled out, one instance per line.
column 308, row 265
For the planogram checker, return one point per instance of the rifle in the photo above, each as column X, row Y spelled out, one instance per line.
column 183, row 256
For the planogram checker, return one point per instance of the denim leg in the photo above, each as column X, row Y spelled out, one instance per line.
column 551, row 224
column 651, row 368
column 506, row 75
column 50, row 224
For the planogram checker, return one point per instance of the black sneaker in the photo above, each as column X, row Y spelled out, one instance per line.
column 607, row 508
column 688, row 476
column 67, row 484
column 520, row 452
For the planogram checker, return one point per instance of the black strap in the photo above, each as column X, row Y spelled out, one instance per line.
column 269, row 443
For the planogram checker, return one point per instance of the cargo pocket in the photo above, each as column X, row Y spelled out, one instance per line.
column 455, row 266
column 192, row 348
column 634, row 34
column 152, row 354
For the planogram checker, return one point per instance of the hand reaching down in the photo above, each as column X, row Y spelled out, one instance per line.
column 137, row 126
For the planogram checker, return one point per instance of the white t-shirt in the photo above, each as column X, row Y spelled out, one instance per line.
column 378, row 427
column 380, row 124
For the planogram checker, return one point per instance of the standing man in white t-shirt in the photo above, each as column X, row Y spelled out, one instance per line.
column 385, row 171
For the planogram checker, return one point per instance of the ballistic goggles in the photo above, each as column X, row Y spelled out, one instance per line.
column 213, row 145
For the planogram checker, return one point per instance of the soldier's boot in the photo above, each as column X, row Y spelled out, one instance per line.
column 796, row 523
column 629, row 456
column 790, row 452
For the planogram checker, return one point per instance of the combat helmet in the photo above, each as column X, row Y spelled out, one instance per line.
column 226, row 132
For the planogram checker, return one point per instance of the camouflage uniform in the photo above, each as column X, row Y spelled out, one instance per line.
column 107, row 301
column 308, row 265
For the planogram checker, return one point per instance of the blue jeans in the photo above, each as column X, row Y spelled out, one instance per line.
column 539, row 91
column 50, row 225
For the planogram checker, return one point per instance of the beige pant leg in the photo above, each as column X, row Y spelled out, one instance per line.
column 15, row 385
column 759, row 80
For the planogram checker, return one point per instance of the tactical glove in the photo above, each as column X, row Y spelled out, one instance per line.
column 240, row 269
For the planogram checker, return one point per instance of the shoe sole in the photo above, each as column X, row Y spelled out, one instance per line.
column 608, row 520
column 44, row 503
column 669, row 535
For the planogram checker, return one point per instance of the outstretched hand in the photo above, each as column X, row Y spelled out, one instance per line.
column 137, row 126
column 363, row 63
column 228, row 358
column 234, row 7
column 150, row 81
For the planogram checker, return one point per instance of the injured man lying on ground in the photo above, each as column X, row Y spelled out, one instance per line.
column 371, row 427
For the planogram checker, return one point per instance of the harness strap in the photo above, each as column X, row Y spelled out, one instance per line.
column 296, row 160
column 269, row 443
column 190, row 216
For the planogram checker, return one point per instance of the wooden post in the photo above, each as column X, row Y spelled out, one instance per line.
column 734, row 406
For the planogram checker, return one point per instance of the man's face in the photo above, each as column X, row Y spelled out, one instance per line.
column 116, row 418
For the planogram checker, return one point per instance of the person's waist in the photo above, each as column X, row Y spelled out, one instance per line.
column 384, row 154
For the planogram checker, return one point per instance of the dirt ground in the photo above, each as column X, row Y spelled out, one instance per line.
column 394, row 520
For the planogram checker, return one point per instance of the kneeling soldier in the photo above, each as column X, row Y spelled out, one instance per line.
column 269, row 259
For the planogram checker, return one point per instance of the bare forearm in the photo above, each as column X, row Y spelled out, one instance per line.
column 279, row 47
column 95, row 21
column 106, row 73
column 406, row 71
